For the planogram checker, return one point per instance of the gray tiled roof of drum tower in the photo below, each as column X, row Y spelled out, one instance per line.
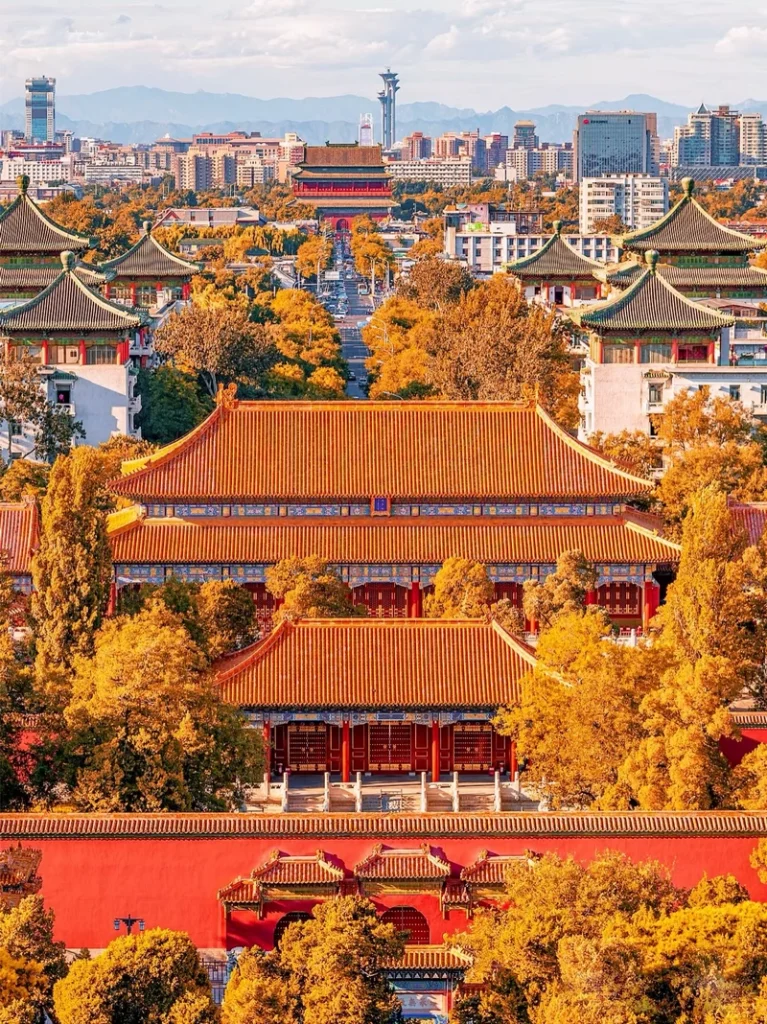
column 688, row 228
column 68, row 305
column 556, row 259
column 147, row 258
column 26, row 229
column 651, row 303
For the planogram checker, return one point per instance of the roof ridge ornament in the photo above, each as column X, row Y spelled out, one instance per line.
column 651, row 259
column 557, row 226
column 226, row 396
column 22, row 183
column 688, row 184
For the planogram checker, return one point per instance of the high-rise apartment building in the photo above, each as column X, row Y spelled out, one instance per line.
column 40, row 109
column 638, row 200
column 522, row 163
column 365, row 132
column 524, row 136
column 711, row 138
column 615, row 142
column 753, row 139
column 193, row 171
column 416, row 147
column 496, row 148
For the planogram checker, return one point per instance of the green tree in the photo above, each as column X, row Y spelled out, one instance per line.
column 228, row 617
column 462, row 590
column 72, row 567
column 562, row 591
column 26, row 934
column 23, row 401
column 308, row 589
column 329, row 970
column 15, row 689
column 219, row 344
column 579, row 712
column 148, row 730
column 154, row 977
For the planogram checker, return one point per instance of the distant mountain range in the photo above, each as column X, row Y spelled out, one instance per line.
column 140, row 114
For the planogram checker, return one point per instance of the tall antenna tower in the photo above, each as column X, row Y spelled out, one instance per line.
column 387, row 96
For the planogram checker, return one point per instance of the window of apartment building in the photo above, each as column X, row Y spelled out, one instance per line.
column 99, row 355
column 734, row 390
column 655, row 394
column 763, row 394
column 655, row 353
column 17, row 428
column 63, row 396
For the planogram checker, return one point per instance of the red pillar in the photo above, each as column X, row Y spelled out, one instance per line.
column 185, row 290
column 513, row 759
column 415, row 602
column 133, row 294
column 112, row 605
column 44, row 355
column 651, row 602
column 591, row 597
column 268, row 748
column 346, row 752
column 435, row 751
column 83, row 354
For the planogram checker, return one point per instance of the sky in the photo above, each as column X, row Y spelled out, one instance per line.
column 474, row 53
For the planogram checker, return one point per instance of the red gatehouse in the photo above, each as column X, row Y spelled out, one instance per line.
column 342, row 181
column 372, row 695
column 386, row 492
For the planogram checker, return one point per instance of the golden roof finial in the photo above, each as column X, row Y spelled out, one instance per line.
column 226, row 396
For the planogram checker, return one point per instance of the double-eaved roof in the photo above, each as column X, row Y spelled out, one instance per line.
column 377, row 663
column 352, row 451
column 555, row 260
column 147, row 258
column 688, row 228
column 708, row 278
column 26, row 230
column 651, row 303
column 67, row 305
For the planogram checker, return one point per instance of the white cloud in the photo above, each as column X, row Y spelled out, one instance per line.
column 743, row 40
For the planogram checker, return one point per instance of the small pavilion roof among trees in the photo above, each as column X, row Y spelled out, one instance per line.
column 26, row 230
column 148, row 258
column 556, row 260
column 67, row 305
column 18, row 875
column 651, row 303
column 689, row 229
column 19, row 532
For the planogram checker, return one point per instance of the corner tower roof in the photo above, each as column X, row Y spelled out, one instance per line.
column 148, row 258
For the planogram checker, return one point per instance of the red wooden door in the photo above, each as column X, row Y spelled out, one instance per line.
column 383, row 600
column 359, row 748
column 421, row 746
column 621, row 599
column 280, row 741
column 308, row 747
column 446, row 748
column 334, row 748
column 390, row 747
column 501, row 751
column 472, row 747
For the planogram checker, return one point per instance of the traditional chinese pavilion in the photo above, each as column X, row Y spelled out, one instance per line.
column 386, row 492
column 342, row 181
column 371, row 695
column 148, row 275
column 557, row 274
column 698, row 256
column 82, row 343
column 31, row 245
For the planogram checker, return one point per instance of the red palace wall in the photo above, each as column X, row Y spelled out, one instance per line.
column 172, row 882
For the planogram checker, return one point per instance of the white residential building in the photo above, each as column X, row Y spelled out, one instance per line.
column 447, row 172
column 639, row 200
column 488, row 251
column 13, row 167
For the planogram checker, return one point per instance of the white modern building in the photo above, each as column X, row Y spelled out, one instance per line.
column 447, row 172
column 638, row 200
column 488, row 251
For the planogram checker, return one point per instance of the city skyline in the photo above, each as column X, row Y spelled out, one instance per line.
column 481, row 53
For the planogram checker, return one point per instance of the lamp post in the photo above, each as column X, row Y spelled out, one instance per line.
column 129, row 922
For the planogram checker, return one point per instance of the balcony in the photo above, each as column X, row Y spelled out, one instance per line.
column 652, row 406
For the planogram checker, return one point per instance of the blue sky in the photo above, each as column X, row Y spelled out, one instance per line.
column 480, row 53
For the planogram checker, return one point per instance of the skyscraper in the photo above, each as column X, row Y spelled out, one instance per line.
column 365, row 135
column 614, row 142
column 710, row 138
column 40, row 110
column 387, row 96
